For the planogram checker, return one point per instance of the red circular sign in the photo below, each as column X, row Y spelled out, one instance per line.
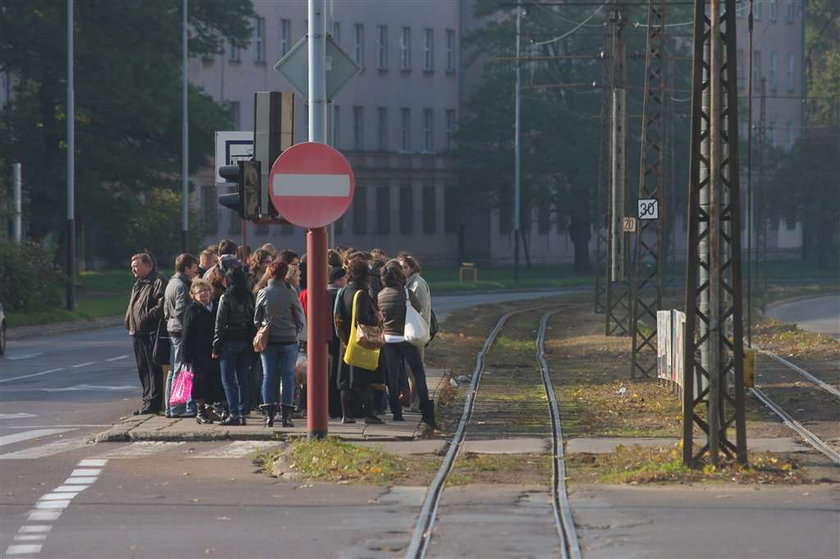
column 311, row 184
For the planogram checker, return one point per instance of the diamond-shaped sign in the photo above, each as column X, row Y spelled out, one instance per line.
column 295, row 67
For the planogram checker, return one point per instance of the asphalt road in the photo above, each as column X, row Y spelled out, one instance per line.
column 815, row 314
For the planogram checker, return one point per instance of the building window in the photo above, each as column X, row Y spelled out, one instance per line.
column 774, row 10
column 259, row 40
column 740, row 8
column 450, row 50
column 773, row 70
column 740, row 68
column 383, row 210
column 428, row 130
column 405, row 129
column 285, row 36
column 757, row 10
column 382, row 128
column 450, row 129
column 790, row 11
column 360, row 212
column 790, row 73
column 336, row 32
column 405, row 48
column 382, row 47
column 450, row 209
column 756, row 68
column 359, row 52
column 336, row 126
column 406, row 209
column 233, row 111
column 428, row 50
column 358, row 128
column 233, row 53
column 429, row 212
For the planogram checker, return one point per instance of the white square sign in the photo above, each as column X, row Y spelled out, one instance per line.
column 231, row 147
column 648, row 208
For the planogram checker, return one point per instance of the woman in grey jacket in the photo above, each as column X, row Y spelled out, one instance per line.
column 279, row 306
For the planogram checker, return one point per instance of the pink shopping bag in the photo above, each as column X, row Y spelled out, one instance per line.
column 181, row 387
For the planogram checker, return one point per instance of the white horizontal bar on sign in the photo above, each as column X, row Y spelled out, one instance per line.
column 324, row 186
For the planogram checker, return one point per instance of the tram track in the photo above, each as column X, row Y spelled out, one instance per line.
column 563, row 521
column 816, row 388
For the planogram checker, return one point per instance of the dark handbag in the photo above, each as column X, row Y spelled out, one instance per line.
column 433, row 328
column 161, row 345
column 369, row 336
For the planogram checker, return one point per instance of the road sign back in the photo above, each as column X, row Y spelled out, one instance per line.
column 311, row 184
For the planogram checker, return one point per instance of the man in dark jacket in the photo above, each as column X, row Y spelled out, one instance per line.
column 145, row 309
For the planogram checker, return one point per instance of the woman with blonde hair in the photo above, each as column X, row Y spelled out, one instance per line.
column 197, row 342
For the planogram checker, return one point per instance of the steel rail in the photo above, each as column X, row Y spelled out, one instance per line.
column 560, row 500
column 814, row 440
column 422, row 536
column 825, row 386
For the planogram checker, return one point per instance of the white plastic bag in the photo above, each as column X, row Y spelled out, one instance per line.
column 416, row 330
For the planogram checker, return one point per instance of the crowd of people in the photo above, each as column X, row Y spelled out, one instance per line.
column 236, row 319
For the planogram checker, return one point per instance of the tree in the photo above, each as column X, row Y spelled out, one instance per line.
column 128, row 107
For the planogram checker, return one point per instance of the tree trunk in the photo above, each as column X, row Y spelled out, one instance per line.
column 580, row 233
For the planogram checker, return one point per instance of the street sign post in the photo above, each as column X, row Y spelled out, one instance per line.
column 311, row 184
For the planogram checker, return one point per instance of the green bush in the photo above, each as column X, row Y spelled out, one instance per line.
column 29, row 281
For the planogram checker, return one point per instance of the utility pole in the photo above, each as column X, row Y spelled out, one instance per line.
column 185, row 137
column 71, row 165
column 618, row 291
column 602, row 219
column 750, row 199
column 713, row 390
column 517, row 149
column 648, row 264
column 17, row 188
column 761, row 196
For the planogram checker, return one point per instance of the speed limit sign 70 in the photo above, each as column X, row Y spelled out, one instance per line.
column 648, row 208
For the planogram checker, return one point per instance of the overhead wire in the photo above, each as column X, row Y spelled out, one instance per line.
column 575, row 28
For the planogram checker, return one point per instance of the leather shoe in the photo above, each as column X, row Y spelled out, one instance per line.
column 146, row 410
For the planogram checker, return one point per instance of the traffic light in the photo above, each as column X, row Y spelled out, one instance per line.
column 246, row 200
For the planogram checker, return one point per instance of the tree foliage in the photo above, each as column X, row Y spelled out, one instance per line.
column 127, row 100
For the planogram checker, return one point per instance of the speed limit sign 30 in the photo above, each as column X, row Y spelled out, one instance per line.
column 648, row 208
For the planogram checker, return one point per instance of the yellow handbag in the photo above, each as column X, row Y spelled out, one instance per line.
column 355, row 355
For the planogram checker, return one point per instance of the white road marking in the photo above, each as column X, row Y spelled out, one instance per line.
column 70, row 426
column 30, row 537
column 93, row 388
column 236, row 449
column 117, row 358
column 32, row 375
column 84, row 364
column 46, row 505
column 16, row 415
column 35, row 529
column 142, row 448
column 92, row 463
column 70, row 488
column 85, row 472
column 26, row 435
column 323, row 186
column 25, row 356
column 59, row 496
column 80, row 480
column 43, row 515
column 25, row 549
column 47, row 450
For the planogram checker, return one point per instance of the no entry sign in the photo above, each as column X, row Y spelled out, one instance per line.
column 311, row 184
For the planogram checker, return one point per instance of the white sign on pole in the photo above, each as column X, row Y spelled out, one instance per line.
column 231, row 147
column 340, row 67
column 648, row 208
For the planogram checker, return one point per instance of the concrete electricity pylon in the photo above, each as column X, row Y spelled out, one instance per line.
column 618, row 289
column 601, row 221
column 713, row 389
column 648, row 264
column 760, row 208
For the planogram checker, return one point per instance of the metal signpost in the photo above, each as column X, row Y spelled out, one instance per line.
column 713, row 394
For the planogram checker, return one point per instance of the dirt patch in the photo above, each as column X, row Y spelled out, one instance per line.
column 524, row 469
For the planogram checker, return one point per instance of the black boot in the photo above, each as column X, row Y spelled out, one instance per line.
column 268, row 411
column 201, row 415
column 396, row 408
column 287, row 415
column 347, row 407
column 427, row 411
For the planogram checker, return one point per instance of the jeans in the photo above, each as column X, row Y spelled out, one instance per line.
column 278, row 361
column 177, row 358
column 234, row 361
column 396, row 356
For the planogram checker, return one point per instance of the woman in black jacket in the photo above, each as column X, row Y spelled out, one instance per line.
column 197, row 340
column 392, row 302
column 355, row 381
column 234, row 333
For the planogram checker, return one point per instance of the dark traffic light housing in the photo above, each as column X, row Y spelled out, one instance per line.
column 246, row 200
